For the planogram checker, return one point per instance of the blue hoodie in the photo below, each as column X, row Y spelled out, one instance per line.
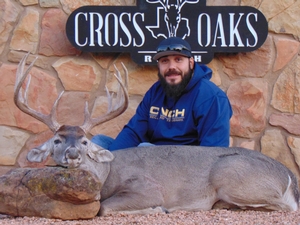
column 200, row 116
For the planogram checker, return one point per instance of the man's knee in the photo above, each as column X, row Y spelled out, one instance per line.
column 102, row 140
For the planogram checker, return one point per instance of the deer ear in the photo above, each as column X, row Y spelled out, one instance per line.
column 40, row 153
column 99, row 154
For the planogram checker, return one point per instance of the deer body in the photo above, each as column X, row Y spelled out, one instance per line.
column 163, row 178
column 195, row 178
column 192, row 178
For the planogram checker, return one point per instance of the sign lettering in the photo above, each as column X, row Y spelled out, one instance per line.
column 139, row 29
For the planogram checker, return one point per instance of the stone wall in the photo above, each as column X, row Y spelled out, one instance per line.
column 263, row 86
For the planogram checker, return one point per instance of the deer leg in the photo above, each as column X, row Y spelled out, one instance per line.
column 137, row 194
column 139, row 202
column 248, row 184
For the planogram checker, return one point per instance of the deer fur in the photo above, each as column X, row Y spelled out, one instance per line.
column 170, row 178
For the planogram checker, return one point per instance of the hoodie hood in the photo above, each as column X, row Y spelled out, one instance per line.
column 200, row 72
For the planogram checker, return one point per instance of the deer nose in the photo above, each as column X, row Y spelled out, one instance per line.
column 72, row 153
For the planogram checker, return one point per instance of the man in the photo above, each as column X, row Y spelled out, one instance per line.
column 182, row 108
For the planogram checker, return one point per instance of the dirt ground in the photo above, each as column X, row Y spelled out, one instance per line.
column 212, row 217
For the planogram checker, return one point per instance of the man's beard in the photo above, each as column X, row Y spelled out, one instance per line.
column 175, row 90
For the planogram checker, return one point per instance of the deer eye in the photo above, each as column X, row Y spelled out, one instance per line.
column 57, row 141
column 84, row 142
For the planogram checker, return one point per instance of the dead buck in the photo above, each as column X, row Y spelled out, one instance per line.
column 66, row 137
column 165, row 178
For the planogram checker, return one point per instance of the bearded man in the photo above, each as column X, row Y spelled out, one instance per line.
column 183, row 108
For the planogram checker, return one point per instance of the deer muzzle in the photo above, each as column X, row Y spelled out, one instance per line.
column 73, row 157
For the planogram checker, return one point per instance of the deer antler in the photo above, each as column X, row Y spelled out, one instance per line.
column 121, row 105
column 22, row 101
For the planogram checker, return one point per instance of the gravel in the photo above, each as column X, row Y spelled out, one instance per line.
column 212, row 217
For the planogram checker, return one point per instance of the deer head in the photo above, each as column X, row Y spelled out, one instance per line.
column 69, row 146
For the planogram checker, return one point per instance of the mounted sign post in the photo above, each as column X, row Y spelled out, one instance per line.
column 139, row 29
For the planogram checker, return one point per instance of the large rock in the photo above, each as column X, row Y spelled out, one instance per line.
column 289, row 122
column 273, row 144
column 52, row 192
column 26, row 34
column 9, row 12
column 11, row 142
column 285, row 20
column 54, row 41
column 254, row 64
column 248, row 100
column 286, row 50
column 71, row 5
column 286, row 94
column 77, row 74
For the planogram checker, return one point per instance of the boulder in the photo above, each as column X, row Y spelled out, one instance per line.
column 51, row 192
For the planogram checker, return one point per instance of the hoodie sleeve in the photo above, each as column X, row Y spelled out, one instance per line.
column 135, row 131
column 214, row 122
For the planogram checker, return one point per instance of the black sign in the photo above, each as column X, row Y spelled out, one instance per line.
column 139, row 29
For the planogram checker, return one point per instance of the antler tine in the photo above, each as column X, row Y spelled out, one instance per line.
column 109, row 99
column 19, row 74
column 121, row 105
column 22, row 102
column 120, row 95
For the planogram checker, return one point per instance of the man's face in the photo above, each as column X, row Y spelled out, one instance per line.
column 174, row 73
column 174, row 67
